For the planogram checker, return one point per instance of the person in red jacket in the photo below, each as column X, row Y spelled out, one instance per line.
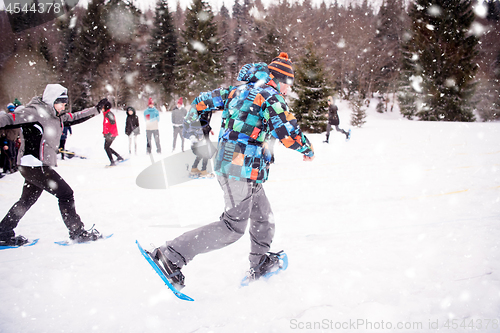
column 110, row 132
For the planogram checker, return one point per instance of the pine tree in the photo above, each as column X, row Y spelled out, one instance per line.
column 493, row 10
column 386, row 46
column 442, row 55
column 358, row 112
column 122, row 25
column 68, row 48
column 240, row 47
column 311, row 107
column 225, row 34
column 201, row 68
column 92, row 51
column 163, row 51
column 409, row 85
column 270, row 44
column 496, row 103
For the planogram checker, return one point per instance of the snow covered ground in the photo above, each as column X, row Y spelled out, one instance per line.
column 397, row 230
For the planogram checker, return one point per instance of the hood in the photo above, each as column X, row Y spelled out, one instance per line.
column 256, row 72
column 52, row 92
column 130, row 109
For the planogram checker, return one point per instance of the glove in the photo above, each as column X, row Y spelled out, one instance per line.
column 102, row 103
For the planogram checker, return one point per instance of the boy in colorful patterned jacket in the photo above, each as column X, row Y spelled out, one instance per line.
column 252, row 114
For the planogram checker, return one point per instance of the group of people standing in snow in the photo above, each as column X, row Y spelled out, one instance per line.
column 132, row 128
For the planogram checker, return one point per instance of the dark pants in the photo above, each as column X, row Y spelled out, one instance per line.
column 197, row 149
column 9, row 156
column 108, row 140
column 178, row 132
column 62, row 143
column 203, row 150
column 203, row 164
column 37, row 180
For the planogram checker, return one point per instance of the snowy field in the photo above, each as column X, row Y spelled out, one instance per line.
column 397, row 230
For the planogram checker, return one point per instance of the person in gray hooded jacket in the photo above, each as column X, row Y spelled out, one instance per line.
column 42, row 121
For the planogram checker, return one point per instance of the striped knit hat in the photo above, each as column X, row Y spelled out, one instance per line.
column 281, row 69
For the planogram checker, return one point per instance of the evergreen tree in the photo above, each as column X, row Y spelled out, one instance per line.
column 92, row 51
column 68, row 48
column 358, row 112
column 201, row 66
column 409, row 85
column 227, row 44
column 442, row 54
column 118, row 73
column 240, row 47
column 311, row 107
column 163, row 51
column 47, row 63
column 493, row 10
column 496, row 103
column 270, row 45
column 386, row 46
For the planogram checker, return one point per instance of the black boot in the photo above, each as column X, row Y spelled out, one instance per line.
column 171, row 271
column 268, row 263
column 82, row 236
column 9, row 238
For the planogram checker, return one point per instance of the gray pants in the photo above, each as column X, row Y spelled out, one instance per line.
column 178, row 132
column 329, row 128
column 243, row 201
column 149, row 143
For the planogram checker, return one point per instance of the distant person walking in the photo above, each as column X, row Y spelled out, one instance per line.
column 333, row 119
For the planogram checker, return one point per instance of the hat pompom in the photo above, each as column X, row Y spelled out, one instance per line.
column 283, row 55
column 281, row 69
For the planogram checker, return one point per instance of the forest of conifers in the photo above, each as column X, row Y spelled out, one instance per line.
column 437, row 59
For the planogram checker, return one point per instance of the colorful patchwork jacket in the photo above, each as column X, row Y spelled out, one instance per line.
column 252, row 113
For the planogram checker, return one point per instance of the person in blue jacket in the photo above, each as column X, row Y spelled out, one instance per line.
column 152, row 117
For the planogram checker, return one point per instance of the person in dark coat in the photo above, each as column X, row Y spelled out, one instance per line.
column 333, row 119
column 132, row 128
